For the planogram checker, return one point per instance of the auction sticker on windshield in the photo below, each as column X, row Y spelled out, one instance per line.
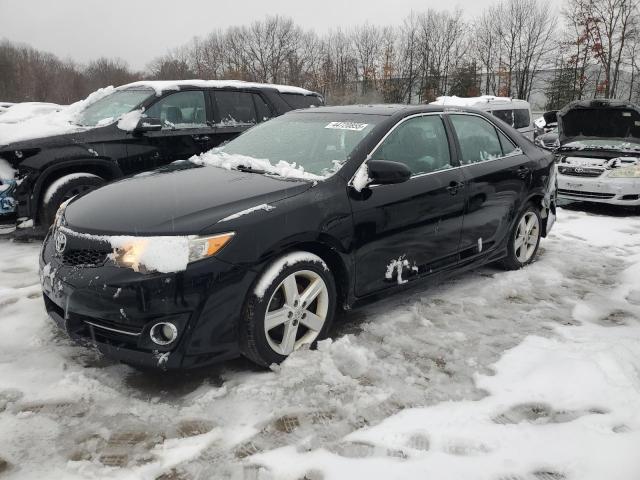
column 356, row 127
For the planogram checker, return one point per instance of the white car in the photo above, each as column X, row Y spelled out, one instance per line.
column 4, row 106
column 513, row 111
column 599, row 152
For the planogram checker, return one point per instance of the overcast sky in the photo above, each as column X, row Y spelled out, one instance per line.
column 137, row 31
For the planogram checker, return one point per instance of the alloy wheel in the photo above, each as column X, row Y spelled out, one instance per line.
column 297, row 311
column 527, row 237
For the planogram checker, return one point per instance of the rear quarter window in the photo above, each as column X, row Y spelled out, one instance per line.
column 517, row 118
column 295, row 100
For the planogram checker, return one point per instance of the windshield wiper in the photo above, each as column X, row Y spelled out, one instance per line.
column 245, row 168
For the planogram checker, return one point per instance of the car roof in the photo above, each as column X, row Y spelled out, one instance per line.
column 483, row 102
column 382, row 109
column 161, row 86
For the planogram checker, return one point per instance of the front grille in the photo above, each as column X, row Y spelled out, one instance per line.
column 114, row 327
column 580, row 171
column 85, row 258
column 578, row 193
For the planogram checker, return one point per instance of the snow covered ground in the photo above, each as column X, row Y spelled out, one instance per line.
column 527, row 375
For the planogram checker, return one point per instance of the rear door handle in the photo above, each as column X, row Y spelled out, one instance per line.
column 201, row 138
column 454, row 187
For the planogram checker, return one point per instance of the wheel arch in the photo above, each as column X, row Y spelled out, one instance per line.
column 104, row 169
column 538, row 199
column 330, row 254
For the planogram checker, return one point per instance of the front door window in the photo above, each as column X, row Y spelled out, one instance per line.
column 181, row 110
column 420, row 143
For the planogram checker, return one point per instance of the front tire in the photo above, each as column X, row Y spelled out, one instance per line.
column 524, row 240
column 63, row 189
column 292, row 305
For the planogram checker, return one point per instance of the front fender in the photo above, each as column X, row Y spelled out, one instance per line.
column 32, row 181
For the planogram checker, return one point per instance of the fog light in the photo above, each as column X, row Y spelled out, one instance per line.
column 163, row 333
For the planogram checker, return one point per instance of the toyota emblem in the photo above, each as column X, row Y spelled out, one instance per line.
column 61, row 242
column 579, row 170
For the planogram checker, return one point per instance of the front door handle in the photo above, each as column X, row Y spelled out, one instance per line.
column 454, row 187
column 201, row 138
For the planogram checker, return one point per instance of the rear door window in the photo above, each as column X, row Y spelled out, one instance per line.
column 235, row 108
column 477, row 137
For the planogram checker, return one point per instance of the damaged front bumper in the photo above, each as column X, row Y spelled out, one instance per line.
column 613, row 191
column 114, row 309
column 7, row 197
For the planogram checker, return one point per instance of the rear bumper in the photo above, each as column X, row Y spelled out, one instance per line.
column 618, row 191
column 112, row 309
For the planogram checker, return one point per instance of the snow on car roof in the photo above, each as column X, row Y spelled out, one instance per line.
column 161, row 86
column 477, row 102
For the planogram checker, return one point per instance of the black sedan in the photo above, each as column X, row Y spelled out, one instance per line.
column 250, row 249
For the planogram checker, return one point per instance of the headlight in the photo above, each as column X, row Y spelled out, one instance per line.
column 57, row 221
column 625, row 172
column 204, row 247
column 167, row 254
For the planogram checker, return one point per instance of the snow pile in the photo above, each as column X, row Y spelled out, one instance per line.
column 161, row 86
column 129, row 121
column 24, row 111
column 48, row 124
column 217, row 158
column 264, row 206
column 528, row 375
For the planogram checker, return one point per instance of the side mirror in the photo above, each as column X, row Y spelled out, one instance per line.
column 384, row 172
column 148, row 125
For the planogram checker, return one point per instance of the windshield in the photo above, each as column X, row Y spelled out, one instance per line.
column 318, row 142
column 110, row 108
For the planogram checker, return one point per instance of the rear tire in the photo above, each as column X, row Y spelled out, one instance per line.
column 524, row 239
column 63, row 189
column 293, row 304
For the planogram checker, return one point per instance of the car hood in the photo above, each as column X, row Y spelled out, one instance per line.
column 183, row 199
column 598, row 120
column 81, row 136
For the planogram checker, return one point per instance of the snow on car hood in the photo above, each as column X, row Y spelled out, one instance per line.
column 600, row 125
column 39, row 122
column 181, row 200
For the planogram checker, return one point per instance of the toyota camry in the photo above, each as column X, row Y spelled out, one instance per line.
column 251, row 249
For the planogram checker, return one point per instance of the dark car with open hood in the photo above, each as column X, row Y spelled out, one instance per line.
column 598, row 152
column 116, row 132
column 251, row 248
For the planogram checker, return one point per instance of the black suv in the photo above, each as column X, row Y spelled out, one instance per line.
column 176, row 120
